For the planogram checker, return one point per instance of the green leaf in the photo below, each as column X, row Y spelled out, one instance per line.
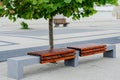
column 1, row 7
column 40, row 1
column 34, row 2
column 10, row 17
column 67, row 1
column 43, row 1
column 46, row 1
column 80, row 1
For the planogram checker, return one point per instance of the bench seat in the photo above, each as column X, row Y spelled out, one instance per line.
column 58, row 21
column 54, row 55
column 89, row 49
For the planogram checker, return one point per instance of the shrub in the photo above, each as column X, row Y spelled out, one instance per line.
column 24, row 25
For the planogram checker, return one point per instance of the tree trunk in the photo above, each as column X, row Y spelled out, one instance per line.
column 1, row 4
column 51, row 46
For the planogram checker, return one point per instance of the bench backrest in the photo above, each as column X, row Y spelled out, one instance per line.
column 60, row 21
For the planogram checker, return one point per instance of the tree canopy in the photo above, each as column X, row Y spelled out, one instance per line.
column 36, row 9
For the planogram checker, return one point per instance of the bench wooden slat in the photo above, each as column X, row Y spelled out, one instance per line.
column 51, row 52
column 92, row 47
column 57, row 56
column 91, row 53
column 93, row 50
column 54, row 60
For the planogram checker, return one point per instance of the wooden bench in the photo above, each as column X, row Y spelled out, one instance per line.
column 108, row 50
column 53, row 55
column 59, row 21
column 15, row 65
column 91, row 49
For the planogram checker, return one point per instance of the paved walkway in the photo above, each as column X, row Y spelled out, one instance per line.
column 10, row 42
column 90, row 68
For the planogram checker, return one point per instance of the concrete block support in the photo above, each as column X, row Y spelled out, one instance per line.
column 15, row 65
column 110, row 52
column 72, row 62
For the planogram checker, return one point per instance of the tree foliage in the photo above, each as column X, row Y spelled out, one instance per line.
column 35, row 9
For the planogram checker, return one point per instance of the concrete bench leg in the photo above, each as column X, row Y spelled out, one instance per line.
column 56, row 25
column 15, row 65
column 111, row 52
column 15, row 69
column 72, row 62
